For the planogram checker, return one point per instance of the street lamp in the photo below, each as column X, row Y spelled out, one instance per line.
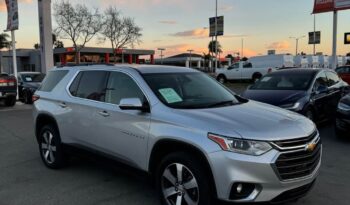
column 190, row 50
column 161, row 54
column 297, row 43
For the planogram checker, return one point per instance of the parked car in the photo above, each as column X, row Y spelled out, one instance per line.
column 28, row 83
column 344, row 73
column 8, row 89
column 343, row 117
column 194, row 136
column 314, row 93
column 243, row 70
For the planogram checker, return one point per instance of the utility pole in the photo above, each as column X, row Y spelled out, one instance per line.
column 190, row 57
column 334, row 49
column 242, row 51
column 297, row 43
column 314, row 34
column 161, row 55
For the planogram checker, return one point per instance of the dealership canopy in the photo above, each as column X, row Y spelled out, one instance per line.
column 322, row 6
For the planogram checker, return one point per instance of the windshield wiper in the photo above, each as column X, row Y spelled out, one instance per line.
column 222, row 103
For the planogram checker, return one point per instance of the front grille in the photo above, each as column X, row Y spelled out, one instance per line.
column 293, row 194
column 297, row 164
column 296, row 142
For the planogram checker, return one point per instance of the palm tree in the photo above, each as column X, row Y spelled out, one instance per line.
column 4, row 43
column 212, row 49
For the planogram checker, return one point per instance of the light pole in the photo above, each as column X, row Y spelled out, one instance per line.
column 216, row 34
column 242, row 51
column 297, row 43
column 190, row 50
column 161, row 54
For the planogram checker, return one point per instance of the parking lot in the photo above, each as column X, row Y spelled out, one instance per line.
column 93, row 180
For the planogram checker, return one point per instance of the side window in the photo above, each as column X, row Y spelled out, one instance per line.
column 332, row 78
column 340, row 70
column 234, row 66
column 52, row 79
column 321, row 80
column 92, row 85
column 247, row 65
column 121, row 86
column 74, row 86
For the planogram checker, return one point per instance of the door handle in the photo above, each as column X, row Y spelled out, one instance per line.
column 104, row 113
column 63, row 105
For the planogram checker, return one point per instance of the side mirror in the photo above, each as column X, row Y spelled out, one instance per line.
column 321, row 89
column 133, row 104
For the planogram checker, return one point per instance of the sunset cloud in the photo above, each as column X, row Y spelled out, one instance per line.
column 282, row 45
column 225, row 8
column 195, row 33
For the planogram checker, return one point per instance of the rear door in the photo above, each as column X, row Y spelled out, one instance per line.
column 87, row 92
column 234, row 72
column 335, row 92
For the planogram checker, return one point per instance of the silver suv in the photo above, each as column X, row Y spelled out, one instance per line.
column 199, row 140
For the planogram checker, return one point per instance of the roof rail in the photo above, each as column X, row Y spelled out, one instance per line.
column 83, row 64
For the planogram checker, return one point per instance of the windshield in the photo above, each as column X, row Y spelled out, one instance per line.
column 284, row 81
column 189, row 90
column 36, row 78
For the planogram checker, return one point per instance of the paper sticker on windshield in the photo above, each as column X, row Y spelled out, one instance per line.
column 29, row 79
column 170, row 95
column 265, row 79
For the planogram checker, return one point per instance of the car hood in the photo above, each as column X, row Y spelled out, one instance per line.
column 275, row 97
column 252, row 120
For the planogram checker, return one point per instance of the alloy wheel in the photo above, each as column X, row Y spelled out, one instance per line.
column 48, row 147
column 179, row 185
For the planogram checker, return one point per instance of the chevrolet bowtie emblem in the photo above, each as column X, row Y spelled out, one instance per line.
column 310, row 147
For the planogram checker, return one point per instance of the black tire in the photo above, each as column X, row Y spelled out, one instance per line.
column 27, row 97
column 192, row 171
column 256, row 77
column 50, row 148
column 10, row 101
column 222, row 79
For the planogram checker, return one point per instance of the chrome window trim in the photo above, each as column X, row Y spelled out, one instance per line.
column 95, row 101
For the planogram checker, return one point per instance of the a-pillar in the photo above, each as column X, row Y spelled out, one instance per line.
column 107, row 57
column 152, row 59
column 130, row 58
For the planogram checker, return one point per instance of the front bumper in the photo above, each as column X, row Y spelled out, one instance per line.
column 231, row 168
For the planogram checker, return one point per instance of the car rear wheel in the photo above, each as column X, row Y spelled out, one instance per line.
column 181, row 180
column 50, row 147
column 10, row 101
column 27, row 98
column 221, row 79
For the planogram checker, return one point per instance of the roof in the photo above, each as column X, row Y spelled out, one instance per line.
column 186, row 55
column 300, row 71
column 144, row 69
column 104, row 50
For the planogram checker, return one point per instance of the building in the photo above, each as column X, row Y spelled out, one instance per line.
column 184, row 59
column 29, row 59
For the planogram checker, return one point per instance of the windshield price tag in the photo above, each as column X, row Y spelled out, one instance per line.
column 170, row 95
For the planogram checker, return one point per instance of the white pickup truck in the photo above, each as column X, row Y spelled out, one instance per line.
column 242, row 70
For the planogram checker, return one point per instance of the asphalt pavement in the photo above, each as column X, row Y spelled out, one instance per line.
column 24, row 180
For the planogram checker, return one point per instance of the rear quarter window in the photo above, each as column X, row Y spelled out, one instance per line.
column 52, row 79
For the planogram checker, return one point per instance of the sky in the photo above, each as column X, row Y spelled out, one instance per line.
column 180, row 25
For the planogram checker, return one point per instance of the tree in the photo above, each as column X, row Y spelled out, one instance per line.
column 76, row 23
column 119, row 31
column 4, row 43
column 37, row 46
column 57, row 43
column 212, row 47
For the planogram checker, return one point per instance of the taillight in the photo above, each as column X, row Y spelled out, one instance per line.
column 7, row 82
column 35, row 98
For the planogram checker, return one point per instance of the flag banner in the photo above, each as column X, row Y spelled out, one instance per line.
column 315, row 37
column 12, row 14
column 219, row 27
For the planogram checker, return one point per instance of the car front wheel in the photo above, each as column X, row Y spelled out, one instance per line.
column 181, row 180
column 50, row 147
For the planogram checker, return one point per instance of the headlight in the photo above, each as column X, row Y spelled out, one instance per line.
column 343, row 106
column 248, row 147
column 291, row 106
